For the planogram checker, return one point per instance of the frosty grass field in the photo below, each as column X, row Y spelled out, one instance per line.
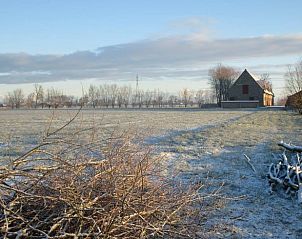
column 205, row 147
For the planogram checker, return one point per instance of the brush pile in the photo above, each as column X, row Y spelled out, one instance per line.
column 70, row 187
column 288, row 171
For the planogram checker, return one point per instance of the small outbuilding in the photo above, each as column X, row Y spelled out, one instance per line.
column 294, row 102
column 246, row 92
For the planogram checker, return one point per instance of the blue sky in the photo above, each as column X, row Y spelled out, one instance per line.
column 40, row 26
column 166, row 41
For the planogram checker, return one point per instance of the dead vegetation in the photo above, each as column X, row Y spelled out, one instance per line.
column 70, row 186
column 287, row 172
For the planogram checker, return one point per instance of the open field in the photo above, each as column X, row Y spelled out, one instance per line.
column 214, row 157
column 25, row 128
column 204, row 147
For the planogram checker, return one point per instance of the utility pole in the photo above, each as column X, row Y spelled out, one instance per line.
column 136, row 89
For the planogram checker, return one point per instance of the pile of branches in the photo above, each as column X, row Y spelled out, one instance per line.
column 68, row 187
column 287, row 172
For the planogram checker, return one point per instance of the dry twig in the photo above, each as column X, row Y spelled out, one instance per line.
column 67, row 187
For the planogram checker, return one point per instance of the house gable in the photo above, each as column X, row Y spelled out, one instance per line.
column 247, row 79
column 246, row 88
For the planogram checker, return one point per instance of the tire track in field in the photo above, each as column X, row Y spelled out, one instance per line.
column 248, row 210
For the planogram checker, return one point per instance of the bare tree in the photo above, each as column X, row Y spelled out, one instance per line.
column 126, row 92
column 101, row 96
column 148, row 98
column 120, row 98
column 93, row 95
column 154, row 98
column 30, row 100
column 15, row 99
column 38, row 95
column 265, row 82
column 200, row 97
column 19, row 97
column 83, row 101
column 209, row 97
column 123, row 96
column 221, row 79
column 9, row 100
column 105, row 95
column 293, row 78
column 48, row 100
column 159, row 98
column 172, row 100
column 166, row 98
column 185, row 96
column 54, row 98
column 140, row 98
column 104, row 92
column 67, row 101
column 113, row 91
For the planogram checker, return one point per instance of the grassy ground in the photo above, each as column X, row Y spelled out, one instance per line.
column 205, row 147
column 22, row 129
column 214, row 156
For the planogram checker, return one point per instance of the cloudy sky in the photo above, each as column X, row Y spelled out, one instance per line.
column 171, row 44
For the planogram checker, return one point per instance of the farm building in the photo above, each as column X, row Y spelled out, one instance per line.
column 295, row 101
column 246, row 92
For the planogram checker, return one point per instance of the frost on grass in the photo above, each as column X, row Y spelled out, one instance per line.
column 211, row 157
column 79, row 185
column 215, row 157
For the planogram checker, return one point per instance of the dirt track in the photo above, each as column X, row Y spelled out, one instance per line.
column 214, row 157
column 211, row 153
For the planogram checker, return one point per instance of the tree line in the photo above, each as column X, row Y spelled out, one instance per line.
column 108, row 96
column 221, row 78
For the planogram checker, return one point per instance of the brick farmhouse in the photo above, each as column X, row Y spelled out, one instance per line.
column 246, row 92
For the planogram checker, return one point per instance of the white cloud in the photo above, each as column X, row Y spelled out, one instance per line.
column 173, row 56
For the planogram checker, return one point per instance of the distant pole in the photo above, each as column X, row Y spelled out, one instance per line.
column 136, row 89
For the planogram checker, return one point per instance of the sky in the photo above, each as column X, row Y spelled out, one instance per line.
column 169, row 44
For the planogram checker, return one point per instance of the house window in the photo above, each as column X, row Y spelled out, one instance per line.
column 232, row 98
column 245, row 89
column 252, row 98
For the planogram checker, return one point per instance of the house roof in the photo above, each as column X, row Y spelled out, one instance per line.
column 291, row 98
column 246, row 72
column 256, row 79
column 297, row 93
column 268, row 92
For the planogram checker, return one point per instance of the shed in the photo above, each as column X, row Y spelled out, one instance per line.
column 294, row 101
